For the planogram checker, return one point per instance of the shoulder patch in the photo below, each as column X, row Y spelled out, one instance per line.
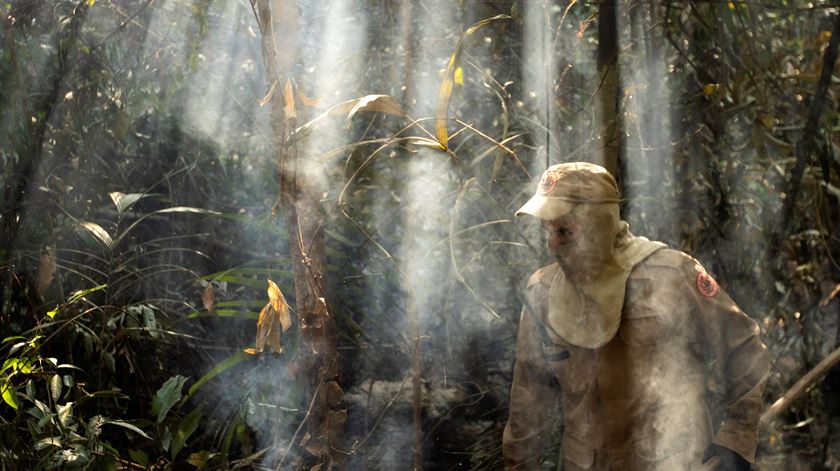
column 706, row 284
column 544, row 274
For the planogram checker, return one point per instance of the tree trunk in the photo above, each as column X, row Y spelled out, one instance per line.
column 298, row 202
column 609, row 122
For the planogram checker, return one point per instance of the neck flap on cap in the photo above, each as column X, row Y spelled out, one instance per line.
column 588, row 315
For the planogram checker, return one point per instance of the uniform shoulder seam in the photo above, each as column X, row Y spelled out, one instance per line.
column 669, row 258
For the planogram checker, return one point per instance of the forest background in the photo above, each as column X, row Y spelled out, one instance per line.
column 339, row 178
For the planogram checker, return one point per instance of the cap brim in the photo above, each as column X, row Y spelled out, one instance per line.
column 544, row 207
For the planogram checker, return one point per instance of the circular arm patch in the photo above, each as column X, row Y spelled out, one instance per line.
column 706, row 284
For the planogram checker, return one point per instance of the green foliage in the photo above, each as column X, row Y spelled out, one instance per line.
column 167, row 396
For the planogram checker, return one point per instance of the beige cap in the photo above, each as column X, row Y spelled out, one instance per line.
column 563, row 186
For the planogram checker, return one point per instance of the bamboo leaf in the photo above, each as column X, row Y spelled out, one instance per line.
column 449, row 77
column 188, row 209
column 235, row 359
column 129, row 426
column 82, row 293
column 98, row 232
column 124, row 201
column 185, row 429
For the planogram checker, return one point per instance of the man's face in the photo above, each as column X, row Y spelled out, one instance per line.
column 582, row 240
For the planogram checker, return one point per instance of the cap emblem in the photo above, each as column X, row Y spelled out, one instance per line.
column 547, row 183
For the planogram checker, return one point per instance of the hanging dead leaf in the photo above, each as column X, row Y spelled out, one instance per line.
column 46, row 270
column 273, row 320
column 208, row 299
column 270, row 93
column 306, row 101
column 371, row 103
column 376, row 104
column 268, row 332
column 289, row 108
column 279, row 304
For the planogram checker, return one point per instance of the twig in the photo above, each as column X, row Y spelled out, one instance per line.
column 800, row 387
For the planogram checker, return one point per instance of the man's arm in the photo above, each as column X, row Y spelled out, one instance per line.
column 532, row 400
column 742, row 359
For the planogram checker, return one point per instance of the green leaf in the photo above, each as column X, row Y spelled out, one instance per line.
column 228, row 362
column 53, row 313
column 82, row 293
column 185, row 429
column 51, row 441
column 98, row 232
column 140, row 457
column 9, row 395
column 65, row 413
column 129, row 426
column 187, row 209
column 55, row 387
column 167, row 396
column 124, row 201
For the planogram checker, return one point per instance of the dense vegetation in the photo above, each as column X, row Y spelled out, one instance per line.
column 156, row 177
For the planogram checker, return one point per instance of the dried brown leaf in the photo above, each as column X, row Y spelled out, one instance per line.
column 376, row 104
column 208, row 299
column 289, row 109
column 306, row 101
column 46, row 270
column 279, row 305
column 270, row 93
column 262, row 328
column 275, row 296
column 369, row 103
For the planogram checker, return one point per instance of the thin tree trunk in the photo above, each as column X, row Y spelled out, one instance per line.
column 610, row 126
column 318, row 358
column 807, row 142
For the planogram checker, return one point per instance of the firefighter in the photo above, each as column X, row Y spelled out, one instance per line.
column 626, row 334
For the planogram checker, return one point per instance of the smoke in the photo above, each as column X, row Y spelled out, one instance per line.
column 647, row 122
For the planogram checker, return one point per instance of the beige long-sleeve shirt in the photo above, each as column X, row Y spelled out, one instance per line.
column 641, row 401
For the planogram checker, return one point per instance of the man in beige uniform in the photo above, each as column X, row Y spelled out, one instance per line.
column 629, row 333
